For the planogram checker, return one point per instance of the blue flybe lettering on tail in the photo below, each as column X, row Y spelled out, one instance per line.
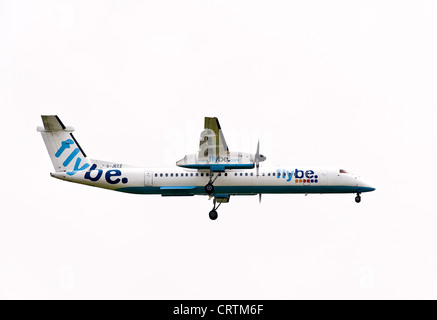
column 71, row 157
column 66, row 145
column 77, row 167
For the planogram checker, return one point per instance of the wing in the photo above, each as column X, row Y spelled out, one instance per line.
column 214, row 153
column 212, row 141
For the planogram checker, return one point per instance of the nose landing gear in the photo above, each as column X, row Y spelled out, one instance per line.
column 358, row 198
column 213, row 215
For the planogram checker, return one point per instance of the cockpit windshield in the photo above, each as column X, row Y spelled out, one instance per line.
column 343, row 171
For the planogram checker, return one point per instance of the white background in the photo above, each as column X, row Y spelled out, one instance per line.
column 321, row 83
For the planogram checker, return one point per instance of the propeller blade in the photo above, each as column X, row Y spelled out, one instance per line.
column 257, row 160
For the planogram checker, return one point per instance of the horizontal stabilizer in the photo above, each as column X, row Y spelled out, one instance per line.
column 53, row 123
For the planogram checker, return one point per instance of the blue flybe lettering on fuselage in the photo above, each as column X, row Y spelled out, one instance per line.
column 297, row 174
column 66, row 145
column 111, row 176
column 213, row 159
column 219, row 159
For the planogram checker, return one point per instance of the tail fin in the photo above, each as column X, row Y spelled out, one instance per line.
column 64, row 150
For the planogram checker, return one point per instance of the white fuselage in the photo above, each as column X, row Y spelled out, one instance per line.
column 186, row 182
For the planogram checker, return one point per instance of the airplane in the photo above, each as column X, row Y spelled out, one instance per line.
column 213, row 171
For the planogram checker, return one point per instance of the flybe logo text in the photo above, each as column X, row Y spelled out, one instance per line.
column 74, row 154
column 111, row 176
column 307, row 176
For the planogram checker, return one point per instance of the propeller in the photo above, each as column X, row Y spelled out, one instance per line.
column 257, row 160
column 257, row 157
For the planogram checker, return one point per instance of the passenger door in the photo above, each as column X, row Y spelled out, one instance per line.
column 148, row 178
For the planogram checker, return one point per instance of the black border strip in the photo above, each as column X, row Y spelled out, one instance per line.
column 60, row 122
column 218, row 123
column 75, row 141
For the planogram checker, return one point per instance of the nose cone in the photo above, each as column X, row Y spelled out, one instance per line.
column 365, row 186
column 183, row 161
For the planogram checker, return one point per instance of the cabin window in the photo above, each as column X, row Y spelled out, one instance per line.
column 241, row 174
column 166, row 175
column 156, row 175
column 274, row 174
column 191, row 174
column 245, row 174
column 160, row 175
column 207, row 174
column 176, row 175
column 226, row 174
column 264, row 174
column 269, row 174
column 251, row 174
column 197, row 174
column 201, row 174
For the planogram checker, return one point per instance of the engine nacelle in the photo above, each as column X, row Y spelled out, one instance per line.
column 232, row 160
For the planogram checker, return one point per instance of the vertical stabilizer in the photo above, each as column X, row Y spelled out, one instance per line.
column 64, row 150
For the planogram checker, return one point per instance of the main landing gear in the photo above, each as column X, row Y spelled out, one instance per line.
column 213, row 215
column 358, row 198
column 209, row 188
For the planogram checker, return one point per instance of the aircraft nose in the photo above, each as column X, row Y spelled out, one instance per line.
column 365, row 186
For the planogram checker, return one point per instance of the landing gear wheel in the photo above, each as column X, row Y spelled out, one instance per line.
column 213, row 215
column 358, row 198
column 209, row 188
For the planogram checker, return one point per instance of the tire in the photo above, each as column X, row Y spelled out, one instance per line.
column 209, row 188
column 213, row 215
column 357, row 199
